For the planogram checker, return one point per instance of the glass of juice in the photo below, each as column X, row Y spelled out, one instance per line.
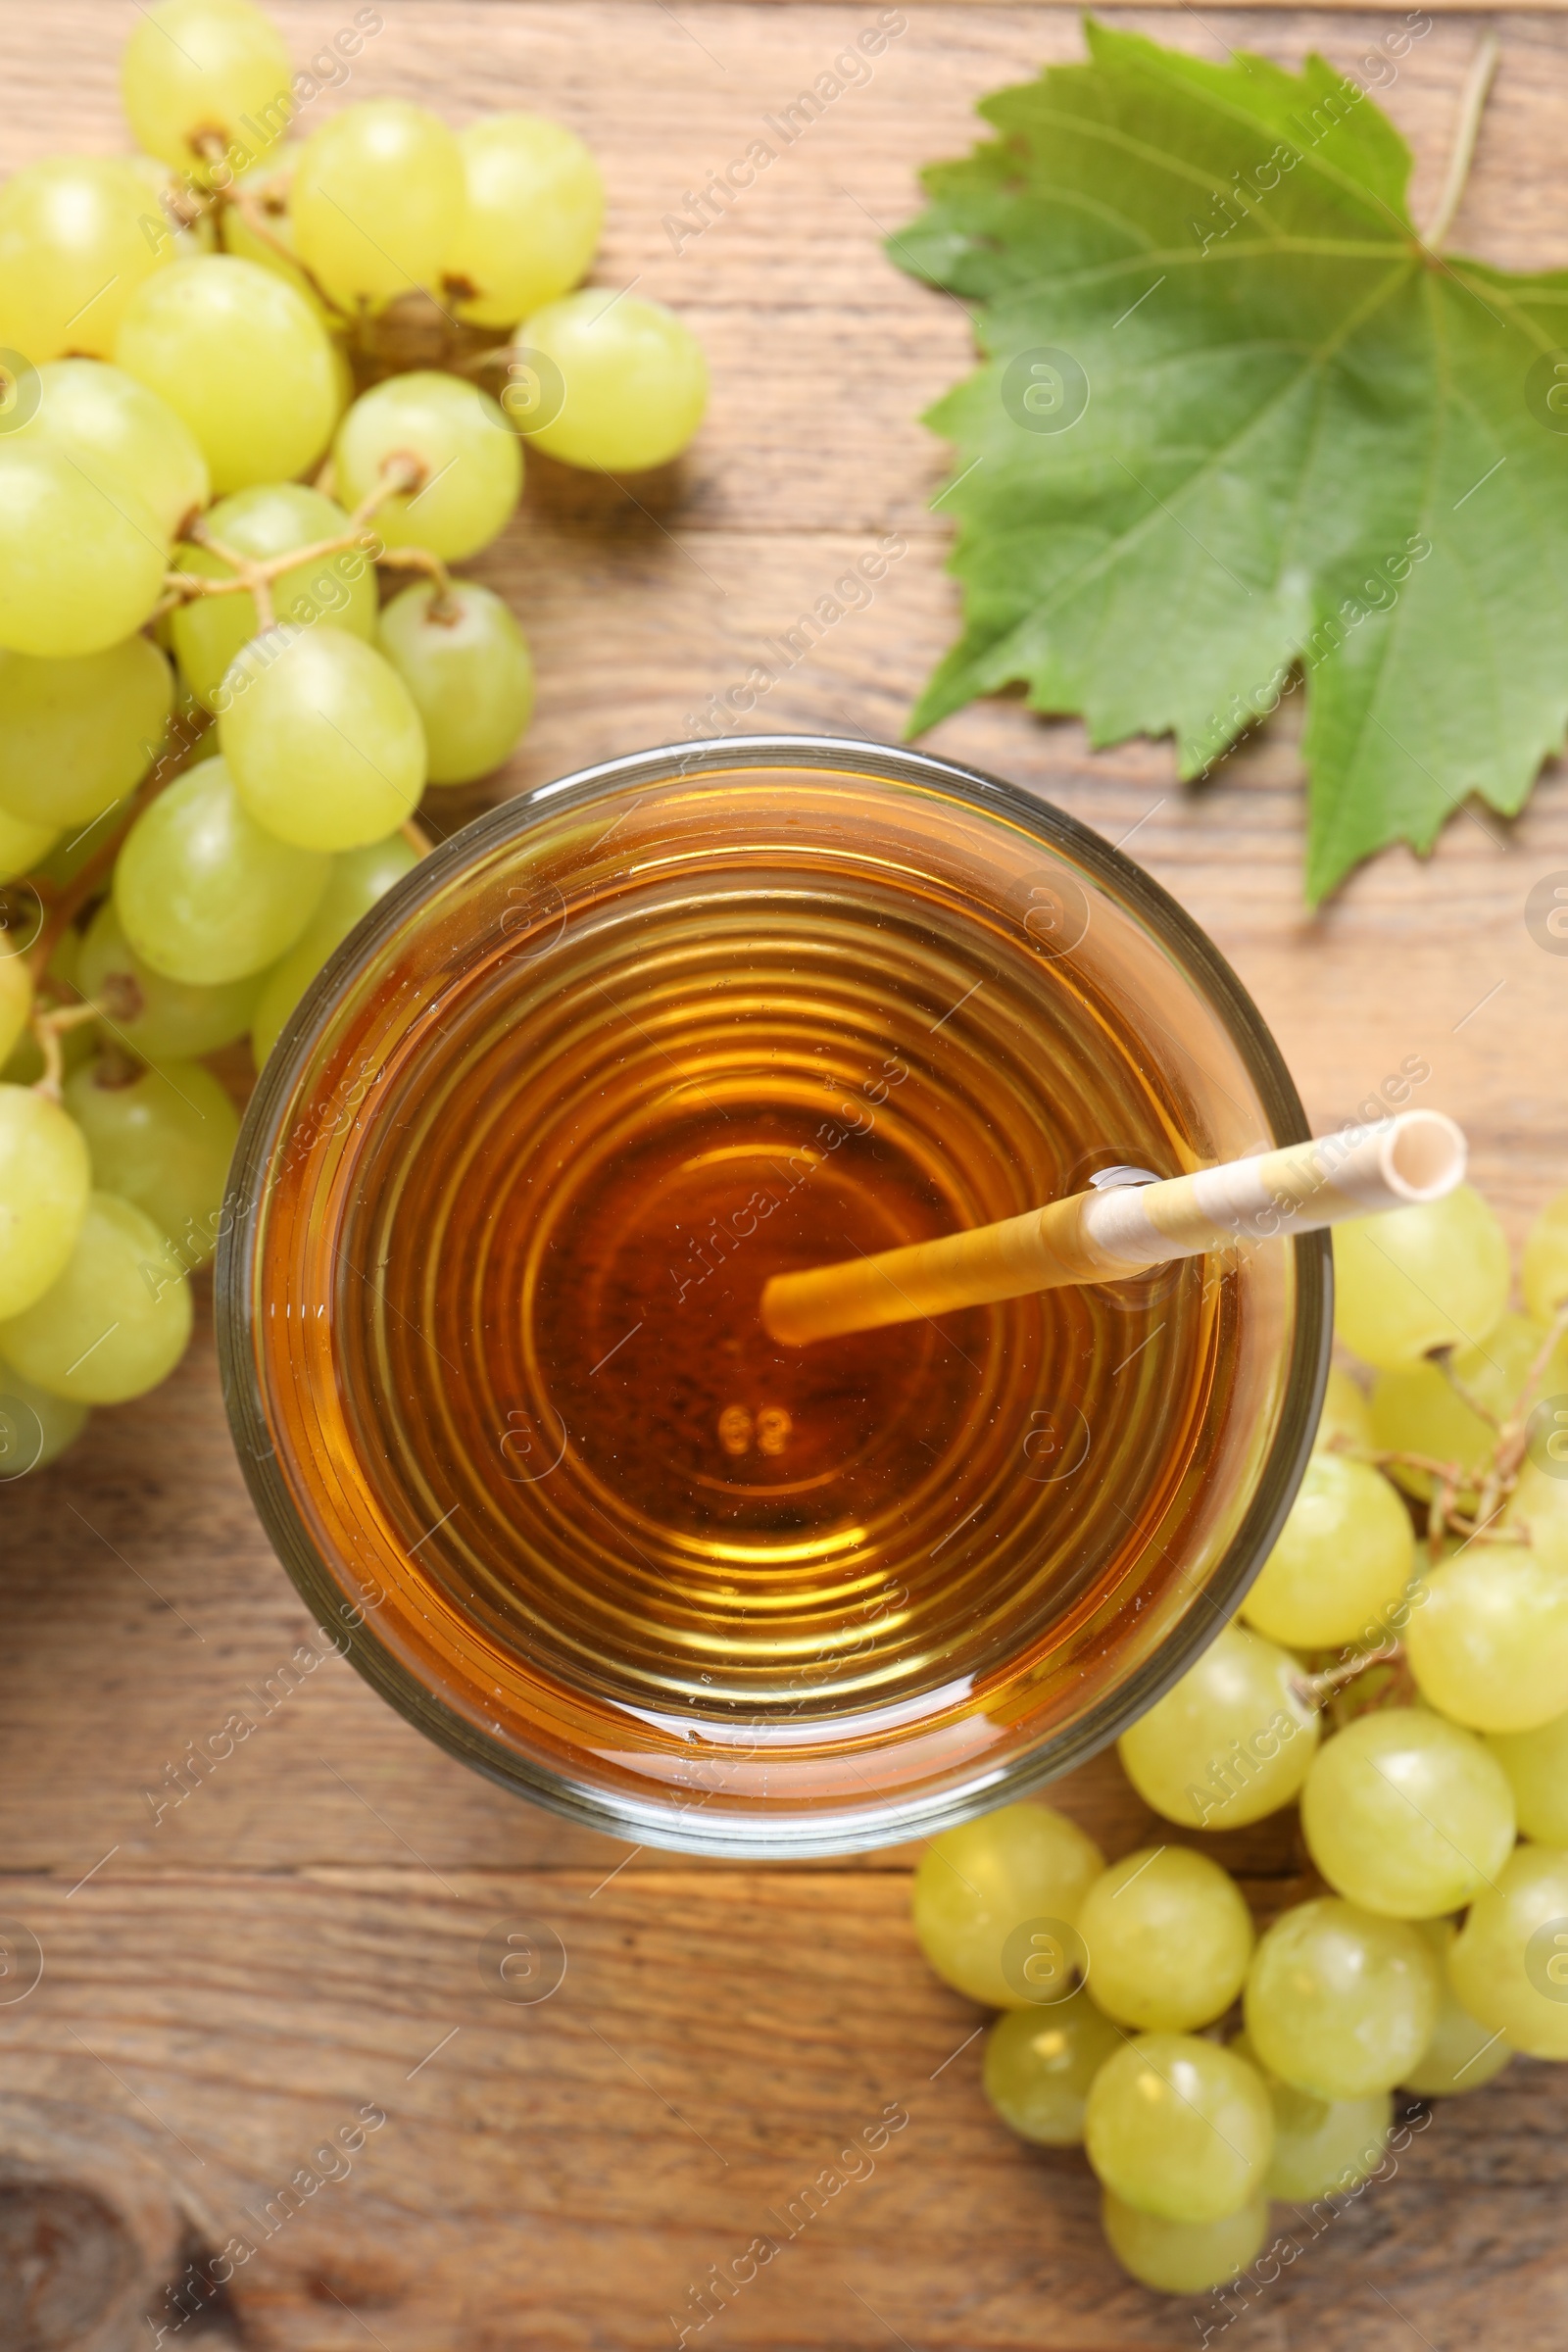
column 506, row 1198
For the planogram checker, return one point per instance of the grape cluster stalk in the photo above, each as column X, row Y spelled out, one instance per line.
column 1397, row 1674
column 244, row 440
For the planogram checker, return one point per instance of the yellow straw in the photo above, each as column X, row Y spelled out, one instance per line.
column 1107, row 1235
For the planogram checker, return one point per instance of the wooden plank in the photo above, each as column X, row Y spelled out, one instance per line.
column 717, row 2056
column 246, row 1967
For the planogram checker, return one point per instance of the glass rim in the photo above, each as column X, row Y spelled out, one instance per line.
column 893, row 1820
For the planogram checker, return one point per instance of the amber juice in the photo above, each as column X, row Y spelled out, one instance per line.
column 516, row 1199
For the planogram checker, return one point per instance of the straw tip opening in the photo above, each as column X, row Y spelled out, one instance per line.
column 1424, row 1154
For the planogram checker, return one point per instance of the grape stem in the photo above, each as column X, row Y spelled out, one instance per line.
column 251, row 206
column 254, row 575
column 444, row 604
column 1450, row 1473
column 1315, row 1689
column 194, row 205
column 1526, row 1399
column 1496, row 1486
column 1481, row 1413
column 1513, row 1438
column 417, row 838
column 257, row 576
column 48, row 1027
column 363, row 332
column 204, row 537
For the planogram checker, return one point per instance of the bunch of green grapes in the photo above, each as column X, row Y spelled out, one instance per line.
column 1399, row 1671
column 216, row 730
column 475, row 242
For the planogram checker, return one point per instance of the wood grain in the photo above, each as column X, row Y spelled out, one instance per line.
column 228, row 1981
column 566, row 2173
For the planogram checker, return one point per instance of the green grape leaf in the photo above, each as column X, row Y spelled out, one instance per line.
column 1238, row 426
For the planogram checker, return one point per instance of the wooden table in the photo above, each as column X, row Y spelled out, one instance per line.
column 228, row 1986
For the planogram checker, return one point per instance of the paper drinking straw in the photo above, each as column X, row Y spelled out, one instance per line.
column 1105, row 1236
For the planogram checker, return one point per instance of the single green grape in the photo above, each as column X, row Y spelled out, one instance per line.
column 267, row 187
column 160, row 1139
column 377, row 199
column 203, row 893
column 1424, row 1409
column 36, row 1427
column 1543, row 1273
column 1039, row 2063
column 1344, row 1557
column 535, row 205
column 358, row 879
column 81, row 560
column 1230, row 1743
column 15, row 1002
column 1180, row 2127
column 980, row 1883
column 125, row 435
column 73, row 253
column 243, row 359
column 1183, row 2257
column 77, row 734
column 1345, row 1422
column 1406, row 1814
column 1168, row 1938
column 212, row 631
column 1322, row 2147
column 1537, row 1765
column 1488, row 1636
column 633, row 375
column 159, row 1018
column 1414, row 1279
column 322, row 738
column 466, row 663
column 23, row 846
column 1509, row 1964
column 117, row 1319
column 471, row 459
column 207, row 85
column 44, row 1182
column 1462, row 2053
column 1341, row 2001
